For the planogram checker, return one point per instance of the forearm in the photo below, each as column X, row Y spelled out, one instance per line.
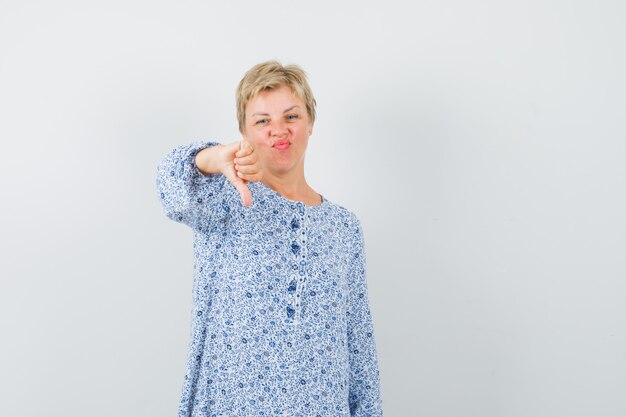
column 184, row 191
column 364, row 393
column 208, row 160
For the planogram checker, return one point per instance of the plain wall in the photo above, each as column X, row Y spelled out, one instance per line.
column 481, row 143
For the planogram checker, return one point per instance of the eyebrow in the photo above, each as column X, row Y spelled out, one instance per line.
column 265, row 114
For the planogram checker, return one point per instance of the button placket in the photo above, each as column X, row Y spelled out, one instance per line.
column 301, row 258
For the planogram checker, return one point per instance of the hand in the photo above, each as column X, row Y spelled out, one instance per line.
column 240, row 165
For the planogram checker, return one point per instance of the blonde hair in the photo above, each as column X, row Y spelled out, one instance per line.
column 270, row 75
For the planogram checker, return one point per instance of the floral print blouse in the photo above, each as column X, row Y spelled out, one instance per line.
column 281, row 324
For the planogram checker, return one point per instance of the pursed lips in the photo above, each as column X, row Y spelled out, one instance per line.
column 281, row 144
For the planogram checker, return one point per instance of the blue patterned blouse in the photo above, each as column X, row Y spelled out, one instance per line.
column 281, row 324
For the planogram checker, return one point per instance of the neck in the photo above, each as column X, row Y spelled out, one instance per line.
column 293, row 188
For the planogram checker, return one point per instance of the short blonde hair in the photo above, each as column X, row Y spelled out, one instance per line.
column 270, row 75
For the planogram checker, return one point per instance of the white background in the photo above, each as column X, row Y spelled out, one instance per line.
column 481, row 143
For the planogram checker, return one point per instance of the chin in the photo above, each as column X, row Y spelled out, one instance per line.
column 282, row 167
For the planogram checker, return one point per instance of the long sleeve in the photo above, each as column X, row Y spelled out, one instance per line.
column 186, row 194
column 364, row 392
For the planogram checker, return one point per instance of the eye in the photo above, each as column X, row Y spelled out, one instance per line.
column 260, row 121
column 295, row 116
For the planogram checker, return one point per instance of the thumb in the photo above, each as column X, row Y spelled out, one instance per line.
column 232, row 150
column 240, row 184
column 244, row 191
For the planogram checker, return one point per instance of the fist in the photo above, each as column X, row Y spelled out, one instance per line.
column 241, row 164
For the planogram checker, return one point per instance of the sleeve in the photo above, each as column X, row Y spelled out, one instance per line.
column 364, row 383
column 186, row 194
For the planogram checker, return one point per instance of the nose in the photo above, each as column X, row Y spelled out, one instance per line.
column 279, row 130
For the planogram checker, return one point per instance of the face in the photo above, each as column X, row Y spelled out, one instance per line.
column 278, row 126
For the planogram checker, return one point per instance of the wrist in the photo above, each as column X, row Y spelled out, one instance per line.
column 208, row 160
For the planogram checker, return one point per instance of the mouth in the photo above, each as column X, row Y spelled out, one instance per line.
column 281, row 145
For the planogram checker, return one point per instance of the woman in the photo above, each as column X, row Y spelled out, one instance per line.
column 281, row 323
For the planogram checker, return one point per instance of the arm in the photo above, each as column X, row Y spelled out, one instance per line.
column 364, row 392
column 186, row 193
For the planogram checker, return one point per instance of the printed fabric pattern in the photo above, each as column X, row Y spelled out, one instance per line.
column 280, row 322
